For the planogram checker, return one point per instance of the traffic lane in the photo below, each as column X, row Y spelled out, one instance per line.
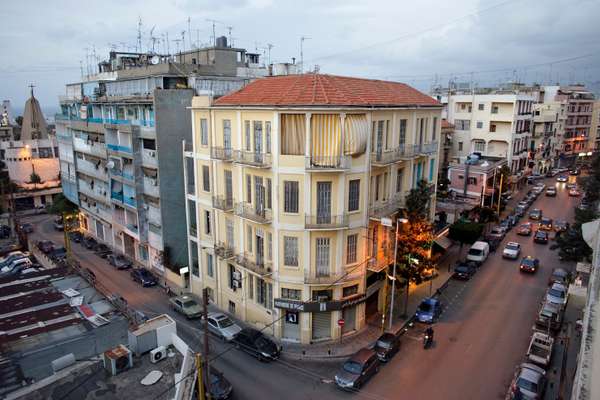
column 488, row 318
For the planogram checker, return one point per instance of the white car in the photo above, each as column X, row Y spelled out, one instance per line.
column 222, row 326
column 557, row 294
column 511, row 250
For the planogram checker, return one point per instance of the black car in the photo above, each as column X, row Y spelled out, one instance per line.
column 26, row 228
column 76, row 236
column 119, row 261
column 46, row 246
column 102, row 250
column 219, row 387
column 256, row 344
column 357, row 370
column 574, row 172
column 386, row 346
column 464, row 271
column 58, row 253
column 59, row 224
column 541, row 237
column 89, row 242
column 143, row 276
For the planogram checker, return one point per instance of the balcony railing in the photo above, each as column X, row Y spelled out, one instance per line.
column 325, row 221
column 224, row 250
column 388, row 208
column 261, row 160
column 119, row 148
column 221, row 153
column 327, row 163
column 223, row 203
column 248, row 211
column 426, row 148
column 261, row 268
column 385, row 157
column 324, row 279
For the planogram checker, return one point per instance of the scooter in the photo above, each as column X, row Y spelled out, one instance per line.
column 427, row 341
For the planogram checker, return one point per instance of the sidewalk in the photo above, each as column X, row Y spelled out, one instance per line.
column 351, row 343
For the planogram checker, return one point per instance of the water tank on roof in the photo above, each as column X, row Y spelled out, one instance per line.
column 221, row 41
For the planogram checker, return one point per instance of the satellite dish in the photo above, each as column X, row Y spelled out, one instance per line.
column 155, row 60
column 110, row 164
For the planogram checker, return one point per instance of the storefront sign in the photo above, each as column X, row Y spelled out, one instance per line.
column 291, row 317
column 314, row 306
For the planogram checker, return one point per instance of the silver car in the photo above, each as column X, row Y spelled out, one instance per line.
column 222, row 326
column 557, row 294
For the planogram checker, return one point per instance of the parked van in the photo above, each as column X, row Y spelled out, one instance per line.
column 478, row 252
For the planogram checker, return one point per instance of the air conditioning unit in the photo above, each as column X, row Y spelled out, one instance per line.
column 237, row 284
column 158, row 354
column 118, row 360
column 237, row 275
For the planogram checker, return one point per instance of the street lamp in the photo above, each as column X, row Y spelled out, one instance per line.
column 398, row 222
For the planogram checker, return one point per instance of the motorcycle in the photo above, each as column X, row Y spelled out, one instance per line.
column 427, row 341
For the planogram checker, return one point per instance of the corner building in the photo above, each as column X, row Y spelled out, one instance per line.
column 291, row 178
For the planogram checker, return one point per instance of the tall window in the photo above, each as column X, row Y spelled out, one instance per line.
column 290, row 251
column 460, row 146
column 250, row 286
column 229, row 235
column 290, row 196
column 227, row 134
column 249, row 239
column 205, row 178
column 385, row 186
column 322, row 257
column 292, row 294
column 434, row 130
column 354, row 195
column 248, row 188
column 247, row 134
column 479, row 145
column 269, row 246
column 268, row 137
column 399, row 178
column 481, row 106
column 377, row 181
column 203, row 132
column 194, row 252
column 209, row 265
column 207, row 225
column 351, row 243
column 264, row 293
column 402, row 133
column 269, row 194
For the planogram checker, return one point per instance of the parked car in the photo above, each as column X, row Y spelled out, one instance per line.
column 429, row 310
column 540, row 349
column 89, row 242
column 19, row 264
column 4, row 231
column 58, row 224
column 143, row 276
column 478, row 252
column 521, row 210
column 571, row 185
column 493, row 242
column 528, row 383
column 551, row 191
column 535, row 214
column 557, row 294
column 464, row 270
column 562, row 178
column 497, row 231
column 387, row 346
column 119, row 261
column 45, row 246
column 574, row 192
column 102, row 250
column 523, row 204
column 186, row 305
column 58, row 253
column 12, row 256
column 222, row 326
column 76, row 236
column 529, row 264
column 561, row 226
column 541, row 237
column 258, row 345
column 574, row 172
column 546, row 224
column 559, row 275
column 26, row 228
column 357, row 370
column 219, row 387
column 524, row 229
column 511, row 250
column 550, row 316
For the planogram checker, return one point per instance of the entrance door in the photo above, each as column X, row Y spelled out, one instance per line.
column 291, row 326
column 228, row 188
column 259, row 196
column 349, row 316
column 323, row 202
column 321, row 326
column 379, row 139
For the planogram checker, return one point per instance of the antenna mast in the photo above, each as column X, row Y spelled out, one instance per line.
column 139, row 35
column 269, row 47
column 302, row 39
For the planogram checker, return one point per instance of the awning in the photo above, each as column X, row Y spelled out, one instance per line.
column 443, row 242
column 326, row 138
column 374, row 266
column 356, row 134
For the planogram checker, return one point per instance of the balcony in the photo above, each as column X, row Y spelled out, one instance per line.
column 88, row 146
column 224, row 250
column 221, row 153
column 149, row 158
column 128, row 175
column 97, row 193
column 324, row 222
column 386, row 157
column 426, row 148
column 327, row 163
column 381, row 210
column 118, row 196
column 155, row 236
column 324, row 279
column 223, row 203
column 260, row 268
column 248, row 211
column 151, row 187
column 259, row 160
column 92, row 169
column 119, row 148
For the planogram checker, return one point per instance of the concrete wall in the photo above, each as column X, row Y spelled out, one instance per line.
column 173, row 125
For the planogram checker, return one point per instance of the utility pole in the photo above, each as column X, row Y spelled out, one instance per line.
column 269, row 47
column 500, row 195
column 205, row 328
column 302, row 39
column 200, row 377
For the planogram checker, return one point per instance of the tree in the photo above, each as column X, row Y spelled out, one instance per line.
column 62, row 205
column 571, row 245
column 465, row 231
column 34, row 178
column 415, row 239
column 418, row 200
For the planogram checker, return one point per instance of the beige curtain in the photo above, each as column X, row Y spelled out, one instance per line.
column 356, row 134
column 293, row 134
column 326, row 135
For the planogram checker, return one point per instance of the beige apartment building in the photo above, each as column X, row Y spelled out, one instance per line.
column 291, row 176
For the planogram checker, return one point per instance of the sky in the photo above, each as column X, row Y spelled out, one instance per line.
column 421, row 43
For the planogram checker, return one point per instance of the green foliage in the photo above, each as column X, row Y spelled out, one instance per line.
column 34, row 178
column 418, row 201
column 414, row 244
column 465, row 232
column 62, row 205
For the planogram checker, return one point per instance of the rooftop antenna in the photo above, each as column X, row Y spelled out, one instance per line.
column 302, row 39
column 190, row 32
column 214, row 35
column 87, row 61
column 139, row 35
column 152, row 38
column 168, row 48
column 182, row 40
column 177, row 42
column 229, row 29
column 269, row 47
column 81, row 67
column 95, row 59
column 197, row 38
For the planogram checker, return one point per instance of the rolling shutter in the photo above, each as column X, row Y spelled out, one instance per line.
column 321, row 325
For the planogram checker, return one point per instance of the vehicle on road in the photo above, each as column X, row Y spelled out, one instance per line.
column 222, row 326
column 255, row 343
column 561, row 226
column 535, row 214
column 143, row 276
column 219, row 387
column 540, row 237
column 574, row 172
column 428, row 339
column 528, row 383
column 12, row 256
column 76, row 236
column 464, row 270
column 557, row 294
column 58, row 224
column 186, row 305
column 102, row 250
column 529, row 264
column 550, row 316
column 551, row 191
column 559, row 275
column 58, row 253
column 497, row 231
column 119, row 261
column 45, row 246
column 525, row 229
column 562, row 178
column 546, row 224
column 571, row 185
column 540, row 348
column 89, row 242
column 574, row 192
column 387, row 346
column 511, row 250
column 478, row 252
column 523, row 204
column 18, row 264
column 521, row 210
column 26, row 228
column 357, row 370
column 429, row 310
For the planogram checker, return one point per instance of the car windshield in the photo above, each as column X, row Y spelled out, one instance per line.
column 264, row 344
column 528, row 262
column 425, row 307
column 190, row 303
column 527, row 385
column 540, row 234
column 512, row 246
column 474, row 252
column 353, row 367
column 546, row 221
column 461, row 268
column 556, row 293
column 225, row 322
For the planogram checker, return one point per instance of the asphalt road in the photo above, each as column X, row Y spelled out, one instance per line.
column 481, row 336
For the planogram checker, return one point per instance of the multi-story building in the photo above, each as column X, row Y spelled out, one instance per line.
column 292, row 178
column 594, row 142
column 547, row 135
column 120, row 135
column 493, row 122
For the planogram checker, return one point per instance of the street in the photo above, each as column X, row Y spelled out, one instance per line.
column 482, row 335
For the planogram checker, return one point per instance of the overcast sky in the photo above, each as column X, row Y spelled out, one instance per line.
column 43, row 42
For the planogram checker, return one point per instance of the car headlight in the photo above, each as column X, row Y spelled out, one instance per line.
column 265, row 354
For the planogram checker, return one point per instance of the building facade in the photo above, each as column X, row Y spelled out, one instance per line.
column 547, row 135
column 292, row 176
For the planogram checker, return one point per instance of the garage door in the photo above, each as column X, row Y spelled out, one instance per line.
column 321, row 325
column 291, row 326
column 349, row 315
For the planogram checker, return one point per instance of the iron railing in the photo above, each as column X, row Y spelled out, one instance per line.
column 248, row 211
column 262, row 160
column 223, row 203
column 221, row 153
column 327, row 163
column 325, row 221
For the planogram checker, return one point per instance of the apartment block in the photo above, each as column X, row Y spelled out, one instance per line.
column 292, row 176
column 594, row 141
column 547, row 135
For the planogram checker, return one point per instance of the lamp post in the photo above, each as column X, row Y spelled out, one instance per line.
column 398, row 222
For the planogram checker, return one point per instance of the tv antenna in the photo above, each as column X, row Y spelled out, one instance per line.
column 153, row 38
column 214, row 34
column 269, row 47
column 302, row 39
column 182, row 40
column 139, row 35
column 229, row 29
column 177, row 43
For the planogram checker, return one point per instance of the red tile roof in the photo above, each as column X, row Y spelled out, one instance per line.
column 325, row 90
column 446, row 124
